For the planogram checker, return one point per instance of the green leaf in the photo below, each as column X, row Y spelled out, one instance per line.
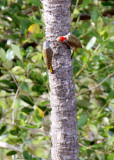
column 37, row 21
column 94, row 33
column 27, row 110
column 16, row 51
column 27, row 99
column 109, row 45
column 85, row 3
column 20, row 64
column 17, row 70
column 9, row 55
column 2, row 129
column 22, row 117
column 45, row 103
column 9, row 84
column 3, row 2
column 111, row 157
column 15, row 131
column 2, row 54
column 107, row 4
column 10, row 153
column 94, row 129
column 99, row 25
column 35, row 2
column 25, row 87
column 39, row 118
column 83, row 103
column 8, row 65
column 111, row 95
column 82, row 121
column 14, row 140
column 26, row 155
column 84, row 148
column 94, row 15
column 24, row 24
column 30, row 126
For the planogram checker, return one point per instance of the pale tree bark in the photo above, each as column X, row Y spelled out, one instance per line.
column 62, row 95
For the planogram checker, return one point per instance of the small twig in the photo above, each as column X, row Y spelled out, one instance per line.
column 21, row 108
column 83, row 67
column 7, row 96
column 99, row 70
column 101, row 109
column 96, row 49
column 90, row 75
column 11, row 147
column 45, row 83
column 13, row 77
column 84, row 34
column 110, row 75
column 31, row 129
column 13, row 106
column 77, row 3
column 7, row 89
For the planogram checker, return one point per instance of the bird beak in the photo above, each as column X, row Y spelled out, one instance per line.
column 58, row 39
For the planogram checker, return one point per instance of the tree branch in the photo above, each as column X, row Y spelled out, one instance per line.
column 30, row 129
column 11, row 147
column 7, row 96
column 110, row 75
column 84, row 16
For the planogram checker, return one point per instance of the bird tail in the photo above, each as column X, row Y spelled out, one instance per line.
column 74, row 50
column 51, row 70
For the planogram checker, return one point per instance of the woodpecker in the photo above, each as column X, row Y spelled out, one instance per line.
column 47, row 55
column 71, row 40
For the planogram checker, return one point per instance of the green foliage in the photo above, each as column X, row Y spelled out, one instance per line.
column 93, row 74
column 2, row 54
column 24, row 86
column 82, row 121
column 94, row 15
column 2, row 129
column 27, row 155
column 10, row 153
column 16, row 51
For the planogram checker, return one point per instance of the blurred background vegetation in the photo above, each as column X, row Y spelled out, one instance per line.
column 24, row 85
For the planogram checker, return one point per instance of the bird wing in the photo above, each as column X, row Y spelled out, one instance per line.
column 48, row 57
column 74, row 41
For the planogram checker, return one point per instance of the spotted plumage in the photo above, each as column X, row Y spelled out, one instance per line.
column 47, row 55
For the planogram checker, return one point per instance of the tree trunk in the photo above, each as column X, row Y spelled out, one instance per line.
column 62, row 95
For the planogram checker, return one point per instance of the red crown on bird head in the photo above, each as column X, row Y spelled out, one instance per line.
column 61, row 38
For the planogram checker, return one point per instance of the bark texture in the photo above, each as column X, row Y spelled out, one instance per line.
column 62, row 95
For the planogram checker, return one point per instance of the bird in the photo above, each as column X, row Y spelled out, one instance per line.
column 71, row 40
column 47, row 55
